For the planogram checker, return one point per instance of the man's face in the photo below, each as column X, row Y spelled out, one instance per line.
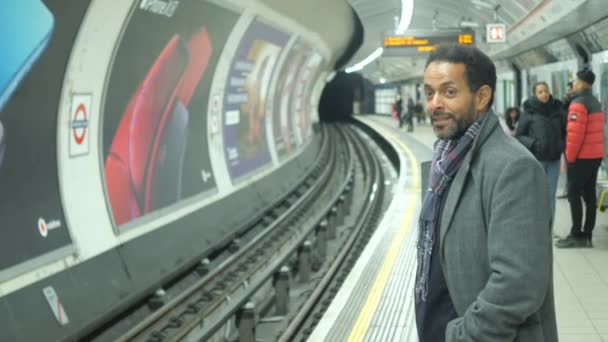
column 449, row 101
column 578, row 85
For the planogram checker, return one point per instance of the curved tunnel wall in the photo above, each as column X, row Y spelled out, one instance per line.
column 136, row 136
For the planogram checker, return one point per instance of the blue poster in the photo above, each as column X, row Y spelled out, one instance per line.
column 37, row 38
column 247, row 96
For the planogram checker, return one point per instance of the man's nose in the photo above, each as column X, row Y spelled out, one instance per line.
column 434, row 104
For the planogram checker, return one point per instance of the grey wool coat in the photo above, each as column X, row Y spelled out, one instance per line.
column 495, row 244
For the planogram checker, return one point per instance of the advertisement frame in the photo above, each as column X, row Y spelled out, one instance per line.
column 257, row 172
column 157, row 218
column 61, row 256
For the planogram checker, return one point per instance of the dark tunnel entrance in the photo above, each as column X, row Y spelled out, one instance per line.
column 344, row 95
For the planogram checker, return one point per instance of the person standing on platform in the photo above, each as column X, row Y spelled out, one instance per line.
column 399, row 109
column 511, row 119
column 485, row 263
column 542, row 130
column 584, row 153
column 410, row 114
column 419, row 113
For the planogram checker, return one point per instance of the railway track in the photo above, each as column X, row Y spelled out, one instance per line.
column 241, row 291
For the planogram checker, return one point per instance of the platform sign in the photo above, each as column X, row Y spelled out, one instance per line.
column 416, row 42
column 496, row 33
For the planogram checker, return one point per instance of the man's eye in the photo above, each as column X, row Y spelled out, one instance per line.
column 428, row 93
column 451, row 92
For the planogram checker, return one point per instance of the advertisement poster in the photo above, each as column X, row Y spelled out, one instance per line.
column 246, row 98
column 283, row 135
column 303, row 87
column 155, row 115
column 317, row 66
column 36, row 46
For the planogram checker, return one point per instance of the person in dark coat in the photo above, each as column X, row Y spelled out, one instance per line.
column 542, row 130
column 409, row 116
column 399, row 109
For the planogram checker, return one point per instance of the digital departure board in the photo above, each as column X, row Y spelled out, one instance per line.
column 416, row 42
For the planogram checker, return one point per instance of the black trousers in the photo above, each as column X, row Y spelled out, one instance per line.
column 582, row 180
column 409, row 117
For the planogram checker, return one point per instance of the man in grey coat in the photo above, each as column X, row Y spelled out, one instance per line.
column 485, row 268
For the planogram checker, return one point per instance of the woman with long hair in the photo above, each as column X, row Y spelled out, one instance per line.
column 511, row 120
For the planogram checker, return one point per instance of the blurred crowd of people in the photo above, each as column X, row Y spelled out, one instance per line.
column 406, row 115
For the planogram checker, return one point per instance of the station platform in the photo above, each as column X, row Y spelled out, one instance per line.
column 376, row 301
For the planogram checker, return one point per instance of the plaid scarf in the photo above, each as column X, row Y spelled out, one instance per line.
column 447, row 157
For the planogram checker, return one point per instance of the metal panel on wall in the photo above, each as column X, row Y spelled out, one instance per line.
column 384, row 100
column 504, row 95
column 600, row 87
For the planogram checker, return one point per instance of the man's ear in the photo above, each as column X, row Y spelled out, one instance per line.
column 482, row 98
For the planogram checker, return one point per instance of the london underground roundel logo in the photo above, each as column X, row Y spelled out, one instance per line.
column 79, row 124
column 42, row 228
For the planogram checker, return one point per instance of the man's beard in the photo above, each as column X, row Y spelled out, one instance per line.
column 459, row 125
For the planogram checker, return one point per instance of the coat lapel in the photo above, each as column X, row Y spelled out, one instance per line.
column 457, row 186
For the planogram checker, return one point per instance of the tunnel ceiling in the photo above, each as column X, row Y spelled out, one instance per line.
column 334, row 24
column 530, row 23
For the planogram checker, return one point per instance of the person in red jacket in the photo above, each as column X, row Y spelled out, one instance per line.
column 584, row 153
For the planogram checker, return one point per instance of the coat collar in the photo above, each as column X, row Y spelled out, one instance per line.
column 459, row 181
column 584, row 92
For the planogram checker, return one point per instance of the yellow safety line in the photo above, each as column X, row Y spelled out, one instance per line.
column 601, row 201
column 368, row 310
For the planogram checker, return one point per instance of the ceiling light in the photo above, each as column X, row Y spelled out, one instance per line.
column 366, row 61
column 470, row 24
column 407, row 12
column 382, row 80
column 482, row 3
